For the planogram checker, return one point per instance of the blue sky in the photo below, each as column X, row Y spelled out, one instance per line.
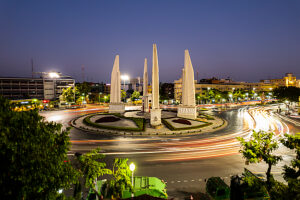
column 244, row 40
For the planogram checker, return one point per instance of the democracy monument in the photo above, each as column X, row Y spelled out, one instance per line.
column 151, row 119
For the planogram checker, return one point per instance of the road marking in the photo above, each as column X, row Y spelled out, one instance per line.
column 185, row 181
column 172, row 181
column 178, row 181
column 192, row 180
column 200, row 179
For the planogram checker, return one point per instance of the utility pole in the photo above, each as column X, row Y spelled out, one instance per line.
column 32, row 72
column 82, row 73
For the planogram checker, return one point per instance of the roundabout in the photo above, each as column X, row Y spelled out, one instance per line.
column 137, row 123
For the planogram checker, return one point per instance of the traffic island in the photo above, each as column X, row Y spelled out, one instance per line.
column 133, row 124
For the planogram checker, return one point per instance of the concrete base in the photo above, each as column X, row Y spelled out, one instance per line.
column 145, row 107
column 155, row 117
column 189, row 112
column 116, row 108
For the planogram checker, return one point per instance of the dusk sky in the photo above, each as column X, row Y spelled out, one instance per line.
column 245, row 40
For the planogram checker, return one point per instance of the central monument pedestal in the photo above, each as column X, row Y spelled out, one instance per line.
column 116, row 108
column 155, row 117
column 189, row 112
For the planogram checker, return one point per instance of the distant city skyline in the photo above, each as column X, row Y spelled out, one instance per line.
column 243, row 40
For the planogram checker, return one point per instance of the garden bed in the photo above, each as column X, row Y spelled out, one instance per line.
column 173, row 128
column 140, row 123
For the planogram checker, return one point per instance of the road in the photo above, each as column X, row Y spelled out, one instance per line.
column 184, row 162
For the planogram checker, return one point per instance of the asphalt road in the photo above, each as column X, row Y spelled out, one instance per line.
column 184, row 162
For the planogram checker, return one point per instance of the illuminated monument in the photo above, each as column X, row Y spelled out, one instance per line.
column 145, row 88
column 188, row 107
column 155, row 112
column 116, row 106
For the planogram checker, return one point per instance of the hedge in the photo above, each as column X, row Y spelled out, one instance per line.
column 140, row 122
column 206, row 116
column 172, row 128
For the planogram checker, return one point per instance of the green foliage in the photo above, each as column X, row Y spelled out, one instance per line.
column 287, row 93
column 91, row 167
column 292, row 173
column 208, row 117
column 140, row 122
column 83, row 88
column 69, row 94
column 135, row 95
column 121, row 178
column 260, row 147
column 123, row 94
column 33, row 156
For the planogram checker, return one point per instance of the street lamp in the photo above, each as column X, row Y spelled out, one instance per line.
column 124, row 78
column 132, row 168
column 100, row 96
column 208, row 93
column 53, row 75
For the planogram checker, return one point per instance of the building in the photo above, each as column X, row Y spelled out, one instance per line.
column 167, row 90
column 49, row 86
column 288, row 80
column 228, row 85
column 101, row 88
column 222, row 85
column 136, row 84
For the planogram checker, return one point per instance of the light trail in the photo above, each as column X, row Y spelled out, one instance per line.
column 170, row 149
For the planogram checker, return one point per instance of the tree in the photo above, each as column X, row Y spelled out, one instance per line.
column 121, row 178
column 69, row 94
column 130, row 91
column 135, row 95
column 292, row 173
column 260, row 147
column 33, row 156
column 123, row 95
column 83, row 88
column 287, row 93
column 92, row 167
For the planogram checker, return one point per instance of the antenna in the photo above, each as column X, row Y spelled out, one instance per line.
column 82, row 73
column 197, row 76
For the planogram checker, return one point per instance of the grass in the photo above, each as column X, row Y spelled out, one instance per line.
column 172, row 128
column 140, row 122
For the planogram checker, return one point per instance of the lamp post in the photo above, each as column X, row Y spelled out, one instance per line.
column 208, row 94
column 132, row 168
column 124, row 78
column 100, row 97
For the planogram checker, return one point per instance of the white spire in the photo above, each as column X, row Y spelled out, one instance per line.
column 115, row 84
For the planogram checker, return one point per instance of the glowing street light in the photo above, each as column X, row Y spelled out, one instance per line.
column 124, row 78
column 132, row 168
column 53, row 75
